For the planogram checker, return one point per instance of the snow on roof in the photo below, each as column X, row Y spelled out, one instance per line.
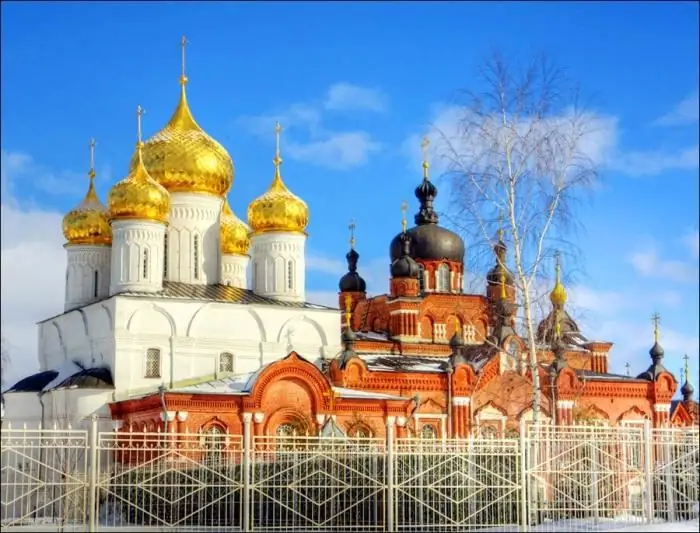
column 403, row 363
column 372, row 336
column 360, row 394
column 65, row 370
column 238, row 384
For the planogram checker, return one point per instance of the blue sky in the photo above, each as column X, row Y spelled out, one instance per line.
column 72, row 71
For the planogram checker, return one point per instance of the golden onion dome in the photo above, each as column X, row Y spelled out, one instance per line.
column 234, row 233
column 88, row 222
column 558, row 295
column 278, row 209
column 183, row 158
column 138, row 196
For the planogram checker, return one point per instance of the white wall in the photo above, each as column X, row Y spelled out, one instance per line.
column 82, row 263
column 77, row 406
column 192, row 334
column 21, row 408
column 273, row 257
column 193, row 217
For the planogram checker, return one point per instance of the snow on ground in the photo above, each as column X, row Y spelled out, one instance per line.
column 692, row 525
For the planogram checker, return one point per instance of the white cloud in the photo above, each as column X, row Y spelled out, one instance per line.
column 600, row 143
column 686, row 112
column 307, row 138
column 692, row 241
column 348, row 97
column 33, row 269
column 649, row 264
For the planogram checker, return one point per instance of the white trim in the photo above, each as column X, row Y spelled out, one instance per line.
column 169, row 414
column 182, row 416
column 565, row 404
column 662, row 407
column 422, row 416
column 461, row 401
column 259, row 417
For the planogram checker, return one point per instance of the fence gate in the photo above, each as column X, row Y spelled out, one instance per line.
column 459, row 485
column 582, row 474
column 43, row 479
column 307, row 483
column 170, row 481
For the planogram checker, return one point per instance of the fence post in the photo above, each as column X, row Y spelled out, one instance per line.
column 247, row 444
column 648, row 472
column 524, row 474
column 92, row 484
column 668, row 477
column 595, row 460
column 390, row 473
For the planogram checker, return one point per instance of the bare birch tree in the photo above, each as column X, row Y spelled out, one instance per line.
column 520, row 151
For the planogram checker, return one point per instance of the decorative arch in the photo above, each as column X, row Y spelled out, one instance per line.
column 665, row 386
column 567, row 380
column 303, row 318
column 287, row 415
column 490, row 405
column 214, row 422
column 633, row 413
column 191, row 326
column 157, row 309
column 83, row 316
column 54, row 323
column 529, row 409
column 294, row 366
column 110, row 318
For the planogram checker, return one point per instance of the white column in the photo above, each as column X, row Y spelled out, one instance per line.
column 193, row 238
column 234, row 270
column 87, row 274
column 137, row 256
column 279, row 266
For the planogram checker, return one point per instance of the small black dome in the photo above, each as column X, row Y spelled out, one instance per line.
column 432, row 243
column 687, row 390
column 404, row 266
column 494, row 276
column 656, row 352
column 352, row 281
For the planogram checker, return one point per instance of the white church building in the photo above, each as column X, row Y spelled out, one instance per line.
column 165, row 284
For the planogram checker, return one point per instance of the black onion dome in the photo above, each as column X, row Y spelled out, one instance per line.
column 547, row 327
column 352, row 281
column 405, row 266
column 656, row 352
column 687, row 390
column 428, row 240
column 494, row 276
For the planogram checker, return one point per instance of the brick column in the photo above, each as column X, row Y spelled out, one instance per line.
column 401, row 427
column 662, row 412
column 460, row 417
column 565, row 412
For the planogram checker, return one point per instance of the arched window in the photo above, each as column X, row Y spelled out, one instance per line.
column 95, row 283
column 288, row 435
column 428, row 431
column 360, row 432
column 443, row 278
column 145, row 264
column 290, row 275
column 153, row 363
column 195, row 251
column 488, row 431
column 214, row 443
column 226, row 362
column 165, row 256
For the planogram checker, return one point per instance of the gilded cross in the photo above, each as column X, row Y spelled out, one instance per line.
column 183, row 44
column 351, row 227
column 424, row 147
column 92, row 145
column 656, row 318
column 628, row 367
column 404, row 208
column 557, row 258
column 139, row 114
column 685, row 360
column 500, row 225
column 278, row 131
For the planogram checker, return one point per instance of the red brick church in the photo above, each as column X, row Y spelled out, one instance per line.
column 428, row 360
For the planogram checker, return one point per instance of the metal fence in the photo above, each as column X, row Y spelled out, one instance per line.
column 549, row 478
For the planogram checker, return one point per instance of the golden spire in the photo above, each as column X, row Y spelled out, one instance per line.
column 404, row 208
column 139, row 196
column 655, row 319
column 557, row 325
column 685, row 368
column 348, row 310
column 88, row 223
column 183, row 44
column 351, row 227
column 502, row 282
column 424, row 148
column 278, row 209
column 558, row 294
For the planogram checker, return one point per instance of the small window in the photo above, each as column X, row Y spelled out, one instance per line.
column 165, row 256
column 214, row 443
column 226, row 362
column 96, row 281
column 428, row 431
column 145, row 264
column 443, row 278
column 290, row 275
column 360, row 432
column 195, row 247
column 421, row 277
column 153, row 363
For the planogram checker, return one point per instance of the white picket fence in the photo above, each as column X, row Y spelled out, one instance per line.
column 80, row 480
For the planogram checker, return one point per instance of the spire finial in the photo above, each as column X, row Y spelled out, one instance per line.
column 502, row 282
column 92, row 145
column 500, row 224
column 686, row 370
column 351, row 227
column 183, row 44
column 278, row 131
column 628, row 369
column 656, row 318
column 557, row 267
column 558, row 295
column 404, row 208
column 348, row 310
column 424, row 148
column 139, row 113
